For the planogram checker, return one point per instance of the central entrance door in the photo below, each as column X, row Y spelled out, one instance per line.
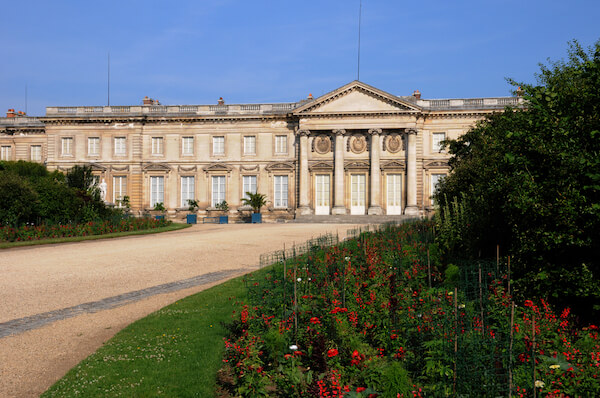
column 394, row 190
column 322, row 194
column 357, row 193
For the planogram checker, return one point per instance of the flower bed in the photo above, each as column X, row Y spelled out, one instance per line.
column 40, row 232
column 361, row 320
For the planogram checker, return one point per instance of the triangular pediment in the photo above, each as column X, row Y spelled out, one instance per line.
column 357, row 98
column 97, row 167
column 279, row 166
column 393, row 164
column 156, row 167
column 217, row 167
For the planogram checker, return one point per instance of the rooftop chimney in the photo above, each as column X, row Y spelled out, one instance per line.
column 310, row 96
column 520, row 91
column 221, row 101
column 417, row 94
column 11, row 113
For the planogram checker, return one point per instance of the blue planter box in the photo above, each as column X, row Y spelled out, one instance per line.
column 159, row 217
column 192, row 218
column 256, row 218
column 223, row 219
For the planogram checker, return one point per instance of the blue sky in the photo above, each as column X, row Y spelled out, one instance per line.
column 193, row 52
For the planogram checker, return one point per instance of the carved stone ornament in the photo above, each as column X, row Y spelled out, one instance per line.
column 358, row 144
column 322, row 144
column 393, row 143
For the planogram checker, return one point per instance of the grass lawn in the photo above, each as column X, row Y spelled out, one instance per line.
column 174, row 352
column 172, row 227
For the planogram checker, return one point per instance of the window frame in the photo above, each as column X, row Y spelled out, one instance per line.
column 89, row 146
column 117, row 199
column 184, row 196
column 281, row 195
column 281, row 148
column 157, row 146
column 6, row 152
column 157, row 194
column 435, row 141
column 218, row 141
column 37, row 158
column 219, row 195
column 121, row 148
column 69, row 147
column 249, row 145
column 189, row 149
column 253, row 183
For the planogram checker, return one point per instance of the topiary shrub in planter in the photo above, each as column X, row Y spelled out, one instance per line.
column 224, row 207
column 192, row 218
column 256, row 201
column 159, row 208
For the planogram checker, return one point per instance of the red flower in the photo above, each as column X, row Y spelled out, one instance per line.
column 315, row 320
column 360, row 389
column 333, row 352
column 528, row 303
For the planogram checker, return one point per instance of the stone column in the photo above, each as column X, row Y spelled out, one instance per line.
column 338, row 206
column 304, row 206
column 411, row 174
column 375, row 205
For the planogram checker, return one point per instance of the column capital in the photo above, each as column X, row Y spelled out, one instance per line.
column 339, row 132
column 304, row 132
column 411, row 131
column 375, row 131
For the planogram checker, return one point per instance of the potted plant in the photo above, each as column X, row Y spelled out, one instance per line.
column 193, row 217
column 256, row 201
column 160, row 208
column 224, row 207
column 126, row 206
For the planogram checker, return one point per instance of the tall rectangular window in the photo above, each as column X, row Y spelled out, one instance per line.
column 187, row 190
column 119, row 189
column 281, row 144
column 187, row 145
column 218, row 190
column 219, row 145
column 93, row 145
column 436, row 142
column 66, row 146
column 157, row 145
column 120, row 148
column 6, row 152
column 281, row 191
column 250, row 145
column 157, row 190
column 435, row 179
column 35, row 153
column 249, row 185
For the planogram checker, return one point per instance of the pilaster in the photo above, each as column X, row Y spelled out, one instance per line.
column 411, row 174
column 338, row 207
column 375, row 190
column 304, row 205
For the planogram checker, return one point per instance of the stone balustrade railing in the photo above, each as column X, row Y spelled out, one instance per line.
column 233, row 109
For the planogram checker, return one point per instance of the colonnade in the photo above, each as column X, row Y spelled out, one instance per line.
column 375, row 204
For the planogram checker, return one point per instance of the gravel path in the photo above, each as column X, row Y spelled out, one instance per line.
column 61, row 302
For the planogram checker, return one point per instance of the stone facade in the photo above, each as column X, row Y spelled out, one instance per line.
column 355, row 150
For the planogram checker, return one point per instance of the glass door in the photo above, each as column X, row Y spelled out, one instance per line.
column 322, row 194
column 357, row 195
column 394, row 194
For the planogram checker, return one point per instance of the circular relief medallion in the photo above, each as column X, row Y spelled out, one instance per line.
column 394, row 143
column 359, row 144
column 322, row 144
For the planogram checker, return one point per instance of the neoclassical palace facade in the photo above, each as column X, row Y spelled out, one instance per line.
column 355, row 150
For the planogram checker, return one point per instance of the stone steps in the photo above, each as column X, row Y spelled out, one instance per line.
column 349, row 219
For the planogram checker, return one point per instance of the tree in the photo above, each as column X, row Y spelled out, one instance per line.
column 255, row 200
column 17, row 199
column 529, row 180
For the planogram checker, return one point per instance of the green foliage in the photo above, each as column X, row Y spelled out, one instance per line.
column 255, row 200
column 193, row 205
column 17, row 199
column 159, row 207
column 56, row 198
column 222, row 206
column 529, row 180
